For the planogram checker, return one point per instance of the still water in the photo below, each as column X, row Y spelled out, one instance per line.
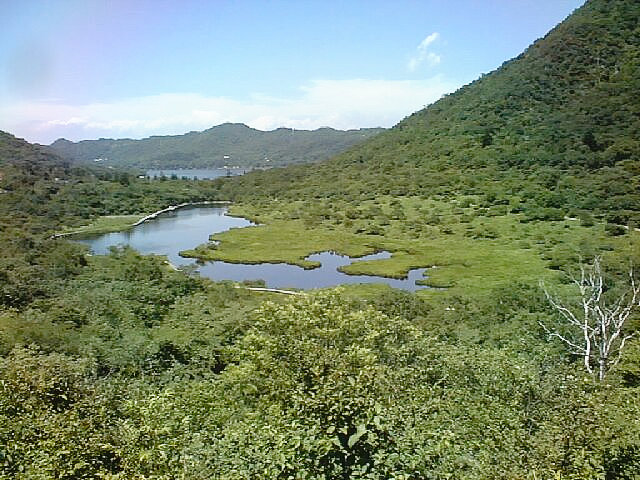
column 186, row 228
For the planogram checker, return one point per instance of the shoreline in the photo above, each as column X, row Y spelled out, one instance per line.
column 171, row 208
column 253, row 289
column 151, row 216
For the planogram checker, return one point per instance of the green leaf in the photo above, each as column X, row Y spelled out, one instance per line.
column 360, row 431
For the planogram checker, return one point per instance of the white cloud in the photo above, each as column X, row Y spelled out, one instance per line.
column 422, row 53
column 341, row 104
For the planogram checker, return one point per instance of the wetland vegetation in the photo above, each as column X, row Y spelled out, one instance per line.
column 119, row 367
column 169, row 233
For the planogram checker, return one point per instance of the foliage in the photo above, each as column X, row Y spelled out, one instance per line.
column 119, row 367
column 563, row 123
column 219, row 146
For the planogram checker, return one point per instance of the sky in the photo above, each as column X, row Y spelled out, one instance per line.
column 87, row 69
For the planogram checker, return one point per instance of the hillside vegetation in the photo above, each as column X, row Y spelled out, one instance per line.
column 226, row 144
column 120, row 367
column 537, row 161
column 555, row 131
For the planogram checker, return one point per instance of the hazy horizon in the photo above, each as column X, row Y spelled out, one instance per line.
column 212, row 127
column 89, row 69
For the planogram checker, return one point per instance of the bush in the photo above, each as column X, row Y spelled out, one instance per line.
column 614, row 230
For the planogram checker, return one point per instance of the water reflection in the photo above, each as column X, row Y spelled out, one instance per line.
column 170, row 233
column 186, row 228
column 282, row 275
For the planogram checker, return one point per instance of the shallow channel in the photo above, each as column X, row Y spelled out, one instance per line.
column 185, row 228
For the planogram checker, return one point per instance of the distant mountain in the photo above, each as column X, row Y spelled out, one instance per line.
column 557, row 127
column 32, row 162
column 226, row 144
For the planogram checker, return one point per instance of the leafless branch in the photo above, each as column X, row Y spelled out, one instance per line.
column 597, row 330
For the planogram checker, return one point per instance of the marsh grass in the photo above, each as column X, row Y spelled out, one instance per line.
column 465, row 246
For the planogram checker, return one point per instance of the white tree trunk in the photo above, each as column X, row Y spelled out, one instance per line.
column 596, row 332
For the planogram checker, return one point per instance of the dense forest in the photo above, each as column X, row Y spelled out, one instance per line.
column 554, row 131
column 227, row 144
column 121, row 367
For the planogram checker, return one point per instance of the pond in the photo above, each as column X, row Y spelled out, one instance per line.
column 185, row 228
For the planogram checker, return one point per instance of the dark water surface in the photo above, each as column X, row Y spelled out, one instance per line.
column 186, row 228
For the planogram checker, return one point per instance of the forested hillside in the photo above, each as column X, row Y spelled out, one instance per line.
column 555, row 131
column 226, row 144
column 121, row 367
column 40, row 193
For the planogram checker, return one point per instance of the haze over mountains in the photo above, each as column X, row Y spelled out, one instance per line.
column 227, row 144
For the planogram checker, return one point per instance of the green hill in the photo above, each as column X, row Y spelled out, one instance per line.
column 119, row 366
column 15, row 153
column 557, row 127
column 40, row 192
column 226, row 144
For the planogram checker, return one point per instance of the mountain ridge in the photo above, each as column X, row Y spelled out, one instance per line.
column 234, row 143
column 556, row 127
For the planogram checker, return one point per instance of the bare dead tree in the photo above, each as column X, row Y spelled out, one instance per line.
column 595, row 329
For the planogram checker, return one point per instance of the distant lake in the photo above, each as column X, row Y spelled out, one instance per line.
column 185, row 228
column 197, row 173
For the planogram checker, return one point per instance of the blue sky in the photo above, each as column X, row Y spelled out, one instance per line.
column 127, row 68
